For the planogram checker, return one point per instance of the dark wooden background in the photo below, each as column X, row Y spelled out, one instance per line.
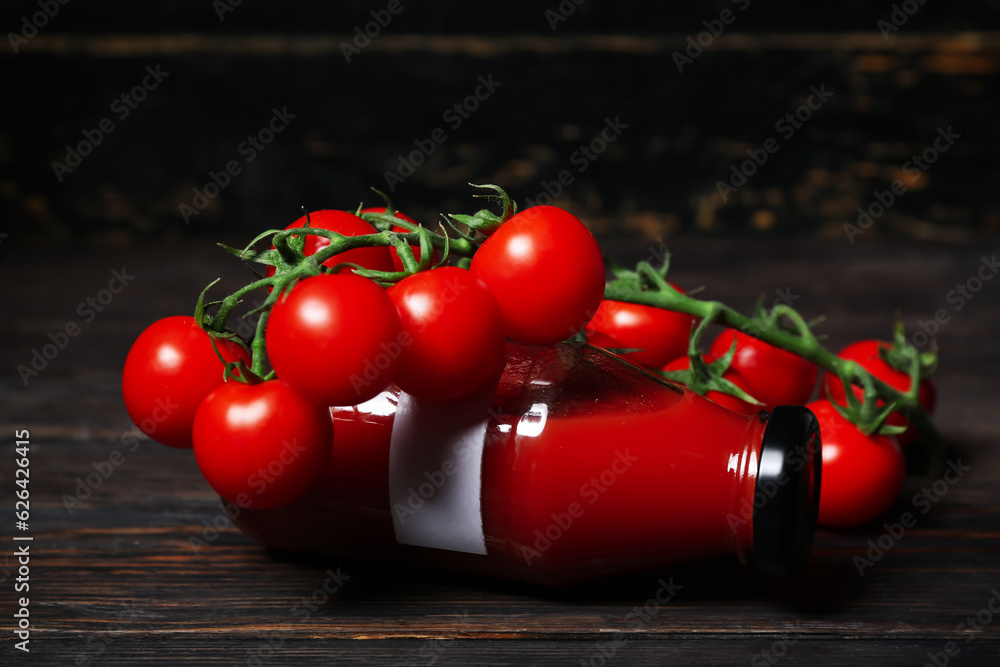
column 115, row 581
column 607, row 59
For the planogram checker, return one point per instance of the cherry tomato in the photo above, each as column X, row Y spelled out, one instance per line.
column 866, row 354
column 169, row 370
column 452, row 333
column 334, row 338
column 862, row 474
column 397, row 263
column 660, row 334
column 261, row 445
column 348, row 224
column 777, row 376
column 546, row 271
column 734, row 403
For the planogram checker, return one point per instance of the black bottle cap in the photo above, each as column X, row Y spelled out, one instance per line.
column 786, row 495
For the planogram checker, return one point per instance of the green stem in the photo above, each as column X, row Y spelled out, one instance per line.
column 218, row 323
column 258, row 348
column 807, row 348
column 340, row 243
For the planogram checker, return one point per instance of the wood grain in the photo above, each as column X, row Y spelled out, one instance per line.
column 115, row 579
column 687, row 126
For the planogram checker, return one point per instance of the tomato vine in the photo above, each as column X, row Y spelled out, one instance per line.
column 460, row 236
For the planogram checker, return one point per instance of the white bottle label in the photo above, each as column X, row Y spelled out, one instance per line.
column 435, row 472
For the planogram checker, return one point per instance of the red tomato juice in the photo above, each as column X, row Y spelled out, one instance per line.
column 573, row 464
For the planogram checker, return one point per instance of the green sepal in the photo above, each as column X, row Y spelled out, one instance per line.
column 484, row 221
column 702, row 378
column 389, row 206
column 426, row 250
column 199, row 307
column 446, row 253
column 384, row 222
column 898, row 355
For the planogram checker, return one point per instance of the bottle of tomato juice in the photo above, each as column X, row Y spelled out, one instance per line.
column 572, row 464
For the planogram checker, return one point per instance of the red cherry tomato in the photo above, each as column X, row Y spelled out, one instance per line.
column 397, row 263
column 452, row 333
column 261, row 445
column 660, row 334
column 334, row 338
column 170, row 369
column 725, row 400
column 546, row 271
column 866, row 354
column 348, row 224
column 777, row 376
column 862, row 474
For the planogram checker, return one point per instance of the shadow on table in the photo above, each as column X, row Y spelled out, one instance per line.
column 829, row 583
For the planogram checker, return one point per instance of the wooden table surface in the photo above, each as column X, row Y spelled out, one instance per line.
column 114, row 578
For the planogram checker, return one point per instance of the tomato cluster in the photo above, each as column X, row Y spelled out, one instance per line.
column 862, row 474
column 337, row 337
column 394, row 307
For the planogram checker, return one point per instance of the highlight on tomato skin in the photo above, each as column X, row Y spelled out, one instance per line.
column 262, row 445
column 334, row 339
column 657, row 334
column 169, row 370
column 862, row 474
column 546, row 271
column 452, row 333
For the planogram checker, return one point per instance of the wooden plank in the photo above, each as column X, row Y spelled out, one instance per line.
column 490, row 46
column 116, row 580
column 266, row 649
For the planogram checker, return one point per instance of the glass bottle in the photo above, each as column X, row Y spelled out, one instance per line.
column 572, row 464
